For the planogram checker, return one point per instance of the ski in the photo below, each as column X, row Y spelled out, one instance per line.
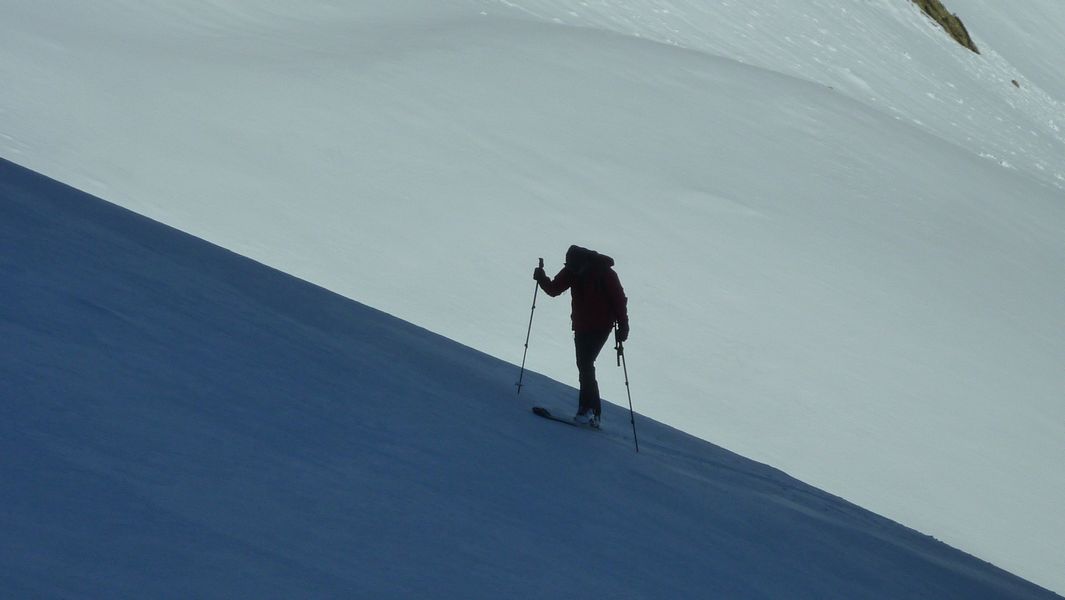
column 543, row 412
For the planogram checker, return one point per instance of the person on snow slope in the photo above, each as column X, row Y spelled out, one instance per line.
column 598, row 304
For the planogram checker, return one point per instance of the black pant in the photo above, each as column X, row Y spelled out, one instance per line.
column 589, row 344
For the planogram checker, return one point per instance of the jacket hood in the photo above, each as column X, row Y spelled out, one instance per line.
column 581, row 259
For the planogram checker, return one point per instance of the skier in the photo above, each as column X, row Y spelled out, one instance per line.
column 598, row 303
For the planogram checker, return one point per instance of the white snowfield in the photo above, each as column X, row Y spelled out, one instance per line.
column 842, row 234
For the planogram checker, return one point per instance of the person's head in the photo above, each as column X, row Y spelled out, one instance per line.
column 577, row 257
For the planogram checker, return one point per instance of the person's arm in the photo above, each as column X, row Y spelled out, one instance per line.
column 616, row 295
column 556, row 286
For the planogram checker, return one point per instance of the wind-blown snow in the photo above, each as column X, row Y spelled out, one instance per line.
column 181, row 422
column 841, row 233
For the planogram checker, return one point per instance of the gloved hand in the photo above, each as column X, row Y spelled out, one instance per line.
column 622, row 332
column 539, row 274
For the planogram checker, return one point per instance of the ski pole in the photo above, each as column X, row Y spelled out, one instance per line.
column 621, row 362
column 521, row 376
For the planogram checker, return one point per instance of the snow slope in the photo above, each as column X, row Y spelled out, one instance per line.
column 181, row 422
column 1029, row 37
column 842, row 235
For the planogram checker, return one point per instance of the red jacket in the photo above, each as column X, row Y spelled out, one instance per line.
column 597, row 298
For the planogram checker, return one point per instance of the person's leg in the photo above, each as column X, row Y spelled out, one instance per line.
column 588, row 346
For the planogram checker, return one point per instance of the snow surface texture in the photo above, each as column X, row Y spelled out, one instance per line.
column 181, row 422
column 842, row 234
